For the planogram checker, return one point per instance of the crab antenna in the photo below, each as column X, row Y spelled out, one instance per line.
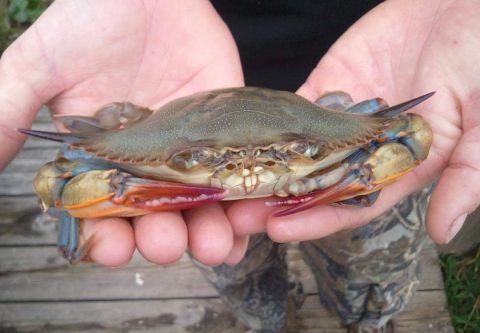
column 397, row 109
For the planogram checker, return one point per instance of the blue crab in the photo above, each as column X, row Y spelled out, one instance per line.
column 226, row 144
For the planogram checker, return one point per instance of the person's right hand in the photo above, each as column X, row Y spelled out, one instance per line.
column 80, row 55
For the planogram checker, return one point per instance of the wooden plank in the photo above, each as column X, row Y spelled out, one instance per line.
column 38, row 274
column 23, row 223
column 172, row 316
column 426, row 313
column 52, row 279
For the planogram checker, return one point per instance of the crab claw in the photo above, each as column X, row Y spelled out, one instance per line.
column 162, row 195
column 350, row 186
column 367, row 174
column 114, row 193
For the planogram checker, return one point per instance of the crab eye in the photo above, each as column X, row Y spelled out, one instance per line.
column 312, row 150
column 183, row 161
column 306, row 148
column 190, row 158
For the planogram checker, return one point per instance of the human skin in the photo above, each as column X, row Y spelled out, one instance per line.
column 398, row 51
column 81, row 55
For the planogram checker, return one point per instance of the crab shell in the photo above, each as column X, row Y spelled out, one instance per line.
column 230, row 144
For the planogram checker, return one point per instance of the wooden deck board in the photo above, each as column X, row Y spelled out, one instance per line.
column 40, row 292
column 39, row 274
column 194, row 315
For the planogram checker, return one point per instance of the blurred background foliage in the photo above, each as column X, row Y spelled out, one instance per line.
column 462, row 285
column 16, row 16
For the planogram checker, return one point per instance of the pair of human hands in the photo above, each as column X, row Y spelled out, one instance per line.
column 79, row 56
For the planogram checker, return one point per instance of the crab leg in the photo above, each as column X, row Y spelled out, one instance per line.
column 68, row 243
column 111, row 116
column 368, row 107
column 341, row 101
column 335, row 100
column 349, row 187
column 68, row 239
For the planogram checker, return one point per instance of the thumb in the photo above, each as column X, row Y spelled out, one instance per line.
column 457, row 193
column 26, row 82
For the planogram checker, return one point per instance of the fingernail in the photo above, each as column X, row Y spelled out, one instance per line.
column 455, row 227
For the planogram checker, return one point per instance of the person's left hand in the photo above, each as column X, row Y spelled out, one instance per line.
column 398, row 51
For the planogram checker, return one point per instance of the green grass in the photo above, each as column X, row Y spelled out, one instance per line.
column 462, row 285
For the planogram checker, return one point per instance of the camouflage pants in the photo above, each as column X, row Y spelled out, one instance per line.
column 365, row 275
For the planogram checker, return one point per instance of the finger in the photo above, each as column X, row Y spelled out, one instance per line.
column 161, row 237
column 19, row 106
column 239, row 248
column 248, row 217
column 26, row 82
column 316, row 222
column 210, row 235
column 114, row 241
column 457, row 193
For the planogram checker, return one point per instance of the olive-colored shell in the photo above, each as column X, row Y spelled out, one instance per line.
column 234, row 117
